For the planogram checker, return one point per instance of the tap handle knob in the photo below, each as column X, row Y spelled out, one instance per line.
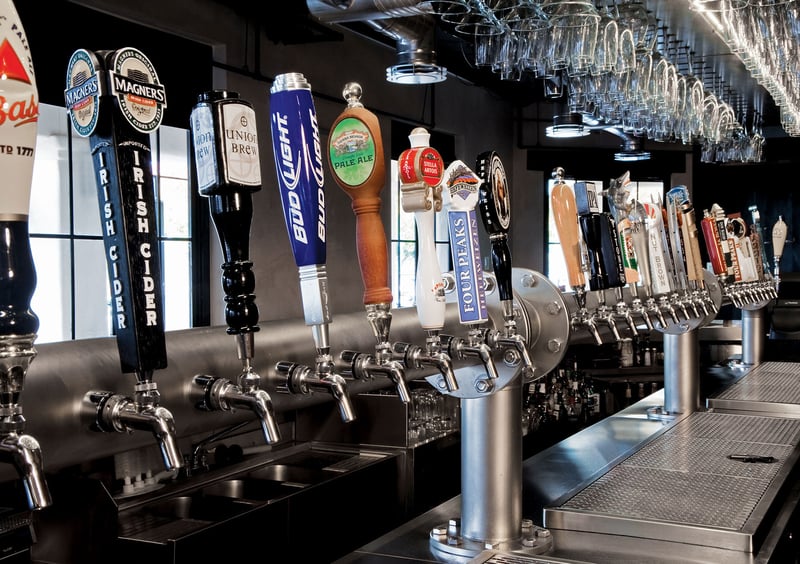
column 565, row 215
column 461, row 197
column 225, row 148
column 119, row 133
column 17, row 131
column 495, row 208
column 356, row 159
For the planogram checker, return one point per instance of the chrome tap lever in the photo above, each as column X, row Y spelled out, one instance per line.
column 603, row 314
column 300, row 379
column 515, row 342
column 415, row 357
column 474, row 346
column 665, row 304
column 365, row 366
column 122, row 414
column 582, row 318
column 621, row 309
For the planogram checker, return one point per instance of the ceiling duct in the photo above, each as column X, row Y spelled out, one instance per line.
column 631, row 148
column 408, row 22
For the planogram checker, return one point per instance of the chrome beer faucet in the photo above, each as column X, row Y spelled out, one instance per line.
column 299, row 164
column 360, row 171
column 230, row 201
column 18, row 323
column 120, row 147
column 495, row 209
column 421, row 170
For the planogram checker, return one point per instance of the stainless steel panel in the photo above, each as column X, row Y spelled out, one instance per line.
column 682, row 487
column 772, row 387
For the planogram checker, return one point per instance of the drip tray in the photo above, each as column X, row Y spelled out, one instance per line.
column 770, row 387
column 682, row 487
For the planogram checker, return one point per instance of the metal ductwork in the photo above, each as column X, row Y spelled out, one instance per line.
column 408, row 22
column 631, row 148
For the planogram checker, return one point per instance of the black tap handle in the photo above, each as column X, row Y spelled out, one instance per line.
column 612, row 252
column 225, row 144
column 495, row 208
column 17, row 279
column 124, row 88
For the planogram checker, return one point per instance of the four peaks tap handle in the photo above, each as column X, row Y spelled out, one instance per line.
column 355, row 156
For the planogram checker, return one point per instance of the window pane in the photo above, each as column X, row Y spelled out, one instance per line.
column 92, row 295
column 49, row 211
column 52, row 300
column 84, row 189
column 174, row 195
column 172, row 152
column 177, row 284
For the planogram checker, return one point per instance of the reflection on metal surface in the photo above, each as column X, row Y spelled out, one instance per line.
column 769, row 387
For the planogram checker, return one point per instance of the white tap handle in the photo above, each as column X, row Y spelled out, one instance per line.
column 430, row 286
column 778, row 237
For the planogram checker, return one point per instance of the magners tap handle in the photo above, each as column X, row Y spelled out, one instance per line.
column 355, row 152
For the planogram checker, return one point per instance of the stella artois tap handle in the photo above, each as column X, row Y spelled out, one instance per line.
column 778, row 241
column 355, row 156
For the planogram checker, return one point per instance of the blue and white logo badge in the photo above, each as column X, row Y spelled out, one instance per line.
column 134, row 82
column 83, row 91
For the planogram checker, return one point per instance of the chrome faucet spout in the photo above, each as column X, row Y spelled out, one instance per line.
column 24, row 453
column 415, row 357
column 300, row 379
column 461, row 348
column 160, row 422
column 517, row 342
column 364, row 366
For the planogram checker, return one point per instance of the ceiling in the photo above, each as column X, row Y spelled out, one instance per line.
column 689, row 36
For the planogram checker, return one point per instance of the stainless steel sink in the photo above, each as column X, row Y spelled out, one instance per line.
column 198, row 507
column 251, row 488
column 292, row 475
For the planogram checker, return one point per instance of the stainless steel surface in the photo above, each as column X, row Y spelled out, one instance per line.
column 754, row 335
column 681, row 372
column 682, row 487
column 491, row 465
column 770, row 387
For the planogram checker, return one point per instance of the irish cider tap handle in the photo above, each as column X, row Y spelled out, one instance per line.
column 495, row 208
column 565, row 214
column 355, row 152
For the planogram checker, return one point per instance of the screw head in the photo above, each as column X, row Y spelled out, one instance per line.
column 553, row 308
column 528, row 281
column 554, row 345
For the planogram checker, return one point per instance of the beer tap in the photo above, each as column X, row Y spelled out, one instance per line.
column 495, row 208
column 18, row 323
column 299, row 164
column 766, row 282
column 119, row 126
column 639, row 239
column 602, row 244
column 661, row 279
column 694, row 262
column 619, row 205
column 719, row 244
column 460, row 200
column 225, row 143
column 778, row 241
column 747, row 290
column 565, row 215
column 678, row 251
column 355, row 151
column 421, row 170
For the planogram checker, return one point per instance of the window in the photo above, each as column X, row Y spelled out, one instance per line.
column 72, row 297
column 556, row 268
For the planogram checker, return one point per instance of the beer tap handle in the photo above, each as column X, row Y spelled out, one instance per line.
column 694, row 262
column 495, row 209
column 300, row 170
column 778, row 241
column 565, row 215
column 225, row 143
column 355, row 153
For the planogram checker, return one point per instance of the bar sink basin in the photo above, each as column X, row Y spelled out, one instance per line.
column 198, row 507
column 250, row 488
column 292, row 475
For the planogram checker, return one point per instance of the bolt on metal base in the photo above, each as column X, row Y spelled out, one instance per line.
column 448, row 545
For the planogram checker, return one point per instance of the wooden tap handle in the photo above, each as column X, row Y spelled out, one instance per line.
column 355, row 156
column 565, row 215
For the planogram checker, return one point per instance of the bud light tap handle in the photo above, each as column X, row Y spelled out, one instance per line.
column 495, row 207
column 461, row 197
column 355, row 152
column 225, row 145
column 299, row 165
